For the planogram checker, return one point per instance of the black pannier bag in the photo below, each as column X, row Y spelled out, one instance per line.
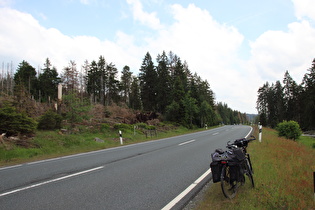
column 236, row 155
column 236, row 159
column 216, row 168
column 235, row 171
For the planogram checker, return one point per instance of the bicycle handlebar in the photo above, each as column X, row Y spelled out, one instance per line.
column 241, row 142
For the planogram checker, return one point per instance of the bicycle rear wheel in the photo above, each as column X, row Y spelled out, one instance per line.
column 229, row 188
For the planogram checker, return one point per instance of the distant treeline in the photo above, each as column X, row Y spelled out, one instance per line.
column 288, row 101
column 167, row 87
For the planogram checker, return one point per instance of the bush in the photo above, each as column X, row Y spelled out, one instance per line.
column 50, row 121
column 123, row 126
column 289, row 129
column 105, row 127
column 14, row 123
column 142, row 125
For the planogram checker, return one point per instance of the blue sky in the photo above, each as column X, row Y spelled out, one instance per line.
column 236, row 45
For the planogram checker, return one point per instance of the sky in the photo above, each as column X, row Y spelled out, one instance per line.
column 236, row 46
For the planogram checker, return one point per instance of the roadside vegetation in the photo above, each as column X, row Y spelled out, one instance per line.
column 283, row 174
column 48, row 144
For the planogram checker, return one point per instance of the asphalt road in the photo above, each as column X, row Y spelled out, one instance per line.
column 141, row 176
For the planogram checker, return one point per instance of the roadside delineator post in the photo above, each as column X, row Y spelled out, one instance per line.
column 120, row 137
column 260, row 131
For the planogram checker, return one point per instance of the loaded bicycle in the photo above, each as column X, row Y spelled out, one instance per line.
column 229, row 167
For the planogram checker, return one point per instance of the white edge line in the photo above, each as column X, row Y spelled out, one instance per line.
column 8, row 167
column 50, row 181
column 187, row 142
column 186, row 191
column 249, row 132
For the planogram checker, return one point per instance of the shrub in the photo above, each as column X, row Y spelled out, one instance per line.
column 14, row 123
column 289, row 129
column 123, row 126
column 151, row 127
column 142, row 125
column 105, row 126
column 50, row 121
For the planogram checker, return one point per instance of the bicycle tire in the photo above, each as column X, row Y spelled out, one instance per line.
column 229, row 189
column 249, row 173
column 250, row 164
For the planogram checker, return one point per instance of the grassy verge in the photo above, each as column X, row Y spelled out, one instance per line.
column 50, row 144
column 283, row 177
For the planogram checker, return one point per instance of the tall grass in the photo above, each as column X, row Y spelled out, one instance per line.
column 283, row 177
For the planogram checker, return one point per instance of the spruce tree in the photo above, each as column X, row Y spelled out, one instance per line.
column 163, row 83
column 48, row 82
column 125, row 80
column 148, row 82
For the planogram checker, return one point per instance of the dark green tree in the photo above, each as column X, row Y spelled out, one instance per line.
column 50, row 121
column 308, row 99
column 25, row 79
column 12, row 122
column 262, row 103
column 190, row 110
column 93, row 82
column 207, row 115
column 48, row 82
column 97, row 80
column 163, row 90
column 291, row 97
column 112, row 84
column 135, row 99
column 125, row 81
column 102, row 74
column 148, row 82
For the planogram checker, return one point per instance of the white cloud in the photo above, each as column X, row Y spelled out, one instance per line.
column 4, row 3
column 147, row 19
column 274, row 52
column 304, row 8
column 23, row 38
column 86, row 2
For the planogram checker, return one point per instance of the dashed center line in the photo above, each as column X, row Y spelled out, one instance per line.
column 215, row 134
column 187, row 142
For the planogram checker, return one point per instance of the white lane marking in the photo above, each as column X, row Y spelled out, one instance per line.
column 8, row 167
column 187, row 142
column 50, row 181
column 186, row 191
column 251, row 128
column 215, row 134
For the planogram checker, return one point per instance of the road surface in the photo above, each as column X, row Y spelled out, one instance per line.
column 150, row 175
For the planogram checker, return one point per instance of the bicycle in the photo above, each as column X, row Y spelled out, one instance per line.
column 229, row 167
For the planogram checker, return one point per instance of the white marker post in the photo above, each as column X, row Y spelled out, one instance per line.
column 260, row 132
column 120, row 137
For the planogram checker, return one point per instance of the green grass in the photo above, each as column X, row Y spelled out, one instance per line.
column 308, row 141
column 50, row 144
column 283, row 177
